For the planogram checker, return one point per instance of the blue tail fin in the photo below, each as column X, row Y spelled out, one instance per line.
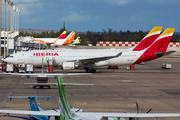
column 32, row 101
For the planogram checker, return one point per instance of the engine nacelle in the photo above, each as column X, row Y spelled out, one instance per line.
column 69, row 65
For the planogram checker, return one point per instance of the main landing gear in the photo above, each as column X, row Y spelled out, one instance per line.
column 41, row 86
column 90, row 70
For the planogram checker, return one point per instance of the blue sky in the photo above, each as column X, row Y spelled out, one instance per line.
column 96, row 15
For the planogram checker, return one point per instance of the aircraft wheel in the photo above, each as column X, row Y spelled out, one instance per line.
column 93, row 71
column 34, row 87
column 88, row 70
column 49, row 87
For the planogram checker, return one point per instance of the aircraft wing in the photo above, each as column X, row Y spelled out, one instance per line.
column 96, row 59
column 140, row 115
column 23, row 112
column 97, row 115
column 100, row 116
column 44, row 74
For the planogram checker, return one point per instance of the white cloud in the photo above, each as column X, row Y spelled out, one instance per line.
column 162, row 2
column 118, row 2
column 74, row 17
column 24, row 1
column 26, row 6
column 114, row 2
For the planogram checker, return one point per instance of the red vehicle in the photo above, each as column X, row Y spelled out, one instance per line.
column 3, row 67
column 112, row 67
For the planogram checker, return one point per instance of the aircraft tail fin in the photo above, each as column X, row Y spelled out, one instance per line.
column 63, row 35
column 148, row 39
column 70, row 38
column 65, row 111
column 162, row 42
column 158, row 47
column 32, row 101
column 76, row 41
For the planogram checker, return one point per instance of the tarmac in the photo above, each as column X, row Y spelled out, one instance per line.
column 115, row 90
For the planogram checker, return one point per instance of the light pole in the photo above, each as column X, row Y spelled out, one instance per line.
column 18, row 11
column 0, row 25
column 11, row 18
column 4, row 28
column 8, row 28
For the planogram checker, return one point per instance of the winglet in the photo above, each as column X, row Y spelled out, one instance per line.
column 119, row 54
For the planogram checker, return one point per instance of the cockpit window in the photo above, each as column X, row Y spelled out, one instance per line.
column 11, row 56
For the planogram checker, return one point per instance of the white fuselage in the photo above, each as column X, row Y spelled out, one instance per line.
column 50, row 40
column 34, row 57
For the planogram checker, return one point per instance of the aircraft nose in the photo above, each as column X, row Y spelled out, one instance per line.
column 5, row 60
column 2, row 59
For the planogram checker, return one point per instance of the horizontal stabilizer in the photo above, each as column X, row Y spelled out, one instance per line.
column 10, row 97
column 55, row 84
column 169, row 52
column 159, row 54
column 76, row 84
column 42, row 84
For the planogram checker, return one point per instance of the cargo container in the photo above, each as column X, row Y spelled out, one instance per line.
column 10, row 68
column 29, row 68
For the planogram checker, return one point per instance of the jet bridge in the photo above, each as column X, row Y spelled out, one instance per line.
column 26, row 43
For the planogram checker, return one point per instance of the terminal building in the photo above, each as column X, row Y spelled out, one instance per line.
column 12, row 43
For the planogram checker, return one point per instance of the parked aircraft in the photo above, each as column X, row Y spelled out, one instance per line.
column 66, row 113
column 90, row 58
column 33, row 106
column 50, row 40
column 42, row 78
column 69, row 39
column 76, row 41
column 60, row 41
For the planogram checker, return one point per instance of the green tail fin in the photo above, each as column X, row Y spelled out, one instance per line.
column 65, row 111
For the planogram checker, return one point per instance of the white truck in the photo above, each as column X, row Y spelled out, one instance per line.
column 9, row 68
column 166, row 66
column 29, row 68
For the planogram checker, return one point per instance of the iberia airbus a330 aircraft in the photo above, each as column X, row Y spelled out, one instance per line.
column 61, row 40
column 66, row 113
column 151, row 47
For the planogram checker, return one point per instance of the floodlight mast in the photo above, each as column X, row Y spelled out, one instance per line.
column 0, row 24
column 5, row 28
column 11, row 17
column 8, row 28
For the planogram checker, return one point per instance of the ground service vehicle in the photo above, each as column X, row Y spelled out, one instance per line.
column 9, row 68
column 29, row 68
column 21, row 68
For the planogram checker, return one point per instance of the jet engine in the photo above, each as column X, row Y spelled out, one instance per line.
column 69, row 65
